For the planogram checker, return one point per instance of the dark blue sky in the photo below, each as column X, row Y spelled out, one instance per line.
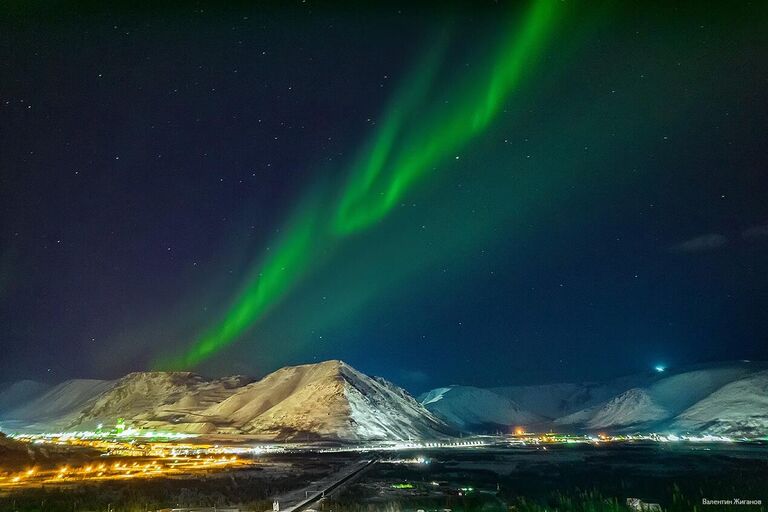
column 614, row 217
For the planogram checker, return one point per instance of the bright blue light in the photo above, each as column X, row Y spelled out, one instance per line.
column 659, row 368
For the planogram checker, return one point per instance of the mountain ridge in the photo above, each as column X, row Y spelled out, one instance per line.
column 688, row 399
column 331, row 400
column 327, row 400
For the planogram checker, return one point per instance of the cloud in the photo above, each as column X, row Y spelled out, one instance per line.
column 758, row 231
column 708, row 242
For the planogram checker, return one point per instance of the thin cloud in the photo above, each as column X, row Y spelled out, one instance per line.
column 703, row 243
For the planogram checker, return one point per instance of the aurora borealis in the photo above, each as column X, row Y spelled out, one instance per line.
column 419, row 191
column 387, row 169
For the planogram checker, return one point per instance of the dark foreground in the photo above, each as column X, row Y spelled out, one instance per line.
column 565, row 477
column 579, row 477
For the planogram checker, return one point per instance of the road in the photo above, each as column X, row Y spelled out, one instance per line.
column 304, row 498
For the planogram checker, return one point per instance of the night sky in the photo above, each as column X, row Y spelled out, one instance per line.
column 510, row 193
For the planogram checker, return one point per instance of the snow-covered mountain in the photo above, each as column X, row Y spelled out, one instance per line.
column 737, row 408
column 56, row 407
column 328, row 400
column 470, row 408
column 662, row 399
column 158, row 400
column 632, row 407
column 721, row 398
column 331, row 400
column 555, row 400
column 15, row 394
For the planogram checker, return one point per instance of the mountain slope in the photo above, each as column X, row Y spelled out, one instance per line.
column 17, row 393
column 738, row 408
column 711, row 398
column 329, row 399
column 660, row 399
column 470, row 408
column 478, row 409
column 332, row 400
column 632, row 407
column 58, row 406
column 555, row 400
column 158, row 399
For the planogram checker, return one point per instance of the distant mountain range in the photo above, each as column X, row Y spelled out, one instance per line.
column 328, row 400
column 724, row 399
column 333, row 401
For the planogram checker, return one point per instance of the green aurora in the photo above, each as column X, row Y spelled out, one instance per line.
column 414, row 138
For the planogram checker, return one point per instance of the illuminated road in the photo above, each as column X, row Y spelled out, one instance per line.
column 302, row 499
column 142, row 458
column 118, row 469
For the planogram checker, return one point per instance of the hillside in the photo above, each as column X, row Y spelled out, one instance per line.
column 715, row 398
column 158, row 399
column 632, row 407
column 470, row 408
column 738, row 408
column 657, row 403
column 328, row 400
column 15, row 394
column 56, row 407
column 331, row 400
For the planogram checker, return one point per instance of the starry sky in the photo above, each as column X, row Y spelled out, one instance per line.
column 442, row 194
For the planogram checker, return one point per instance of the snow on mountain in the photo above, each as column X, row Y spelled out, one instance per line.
column 737, row 408
column 470, row 408
column 688, row 399
column 14, row 394
column 329, row 399
column 632, row 407
column 680, row 391
column 57, row 406
column 159, row 399
column 382, row 410
column 555, row 400
column 660, row 399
